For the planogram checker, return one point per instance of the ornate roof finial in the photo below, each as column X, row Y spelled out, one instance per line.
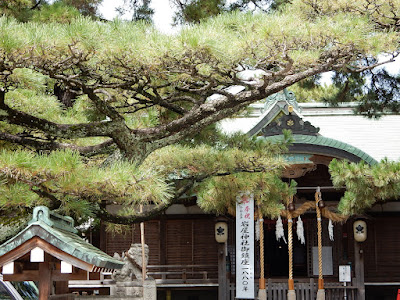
column 285, row 96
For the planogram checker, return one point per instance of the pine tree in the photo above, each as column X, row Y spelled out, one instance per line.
column 365, row 185
column 93, row 114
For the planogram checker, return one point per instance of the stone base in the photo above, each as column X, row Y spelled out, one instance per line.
column 127, row 289
column 133, row 289
column 321, row 294
column 262, row 294
column 150, row 289
column 291, row 295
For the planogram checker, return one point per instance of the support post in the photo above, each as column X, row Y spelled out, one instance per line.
column 222, row 280
column 61, row 288
column 359, row 270
column 45, row 281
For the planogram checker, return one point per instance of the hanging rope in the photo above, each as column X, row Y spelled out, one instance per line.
column 310, row 205
column 319, row 232
column 290, row 247
column 262, row 277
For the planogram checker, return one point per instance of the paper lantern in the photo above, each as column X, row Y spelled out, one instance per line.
column 360, row 230
column 221, row 232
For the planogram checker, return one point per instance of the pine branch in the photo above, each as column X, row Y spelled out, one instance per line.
column 105, row 147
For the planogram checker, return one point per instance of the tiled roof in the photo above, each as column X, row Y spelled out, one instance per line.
column 326, row 142
column 61, row 237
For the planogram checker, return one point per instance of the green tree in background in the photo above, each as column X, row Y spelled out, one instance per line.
column 49, row 11
column 140, row 9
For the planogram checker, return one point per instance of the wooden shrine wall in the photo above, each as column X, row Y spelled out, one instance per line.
column 171, row 241
column 382, row 249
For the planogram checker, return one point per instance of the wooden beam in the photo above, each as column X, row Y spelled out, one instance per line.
column 27, row 275
column 16, row 253
column 38, row 242
column 80, row 275
column 33, row 275
column 61, row 255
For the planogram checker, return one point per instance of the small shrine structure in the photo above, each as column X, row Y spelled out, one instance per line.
column 50, row 252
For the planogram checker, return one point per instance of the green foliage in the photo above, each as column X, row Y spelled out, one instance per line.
column 63, row 11
column 194, row 11
column 16, row 8
column 253, row 165
column 80, row 187
column 365, row 184
column 314, row 92
column 85, row 7
column 56, row 12
column 218, row 194
column 227, row 38
column 152, row 97
column 140, row 10
column 381, row 95
column 184, row 162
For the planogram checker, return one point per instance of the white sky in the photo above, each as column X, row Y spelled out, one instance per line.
column 162, row 18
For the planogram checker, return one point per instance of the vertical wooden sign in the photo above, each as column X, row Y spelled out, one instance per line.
column 245, row 246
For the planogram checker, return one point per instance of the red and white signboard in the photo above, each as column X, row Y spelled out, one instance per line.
column 245, row 246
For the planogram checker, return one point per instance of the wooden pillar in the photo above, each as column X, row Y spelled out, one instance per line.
column 359, row 270
column 45, row 281
column 103, row 237
column 61, row 289
column 222, row 280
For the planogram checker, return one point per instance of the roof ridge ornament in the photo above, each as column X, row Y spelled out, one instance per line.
column 290, row 122
column 282, row 96
column 52, row 219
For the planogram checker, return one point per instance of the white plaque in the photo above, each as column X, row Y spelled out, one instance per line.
column 327, row 261
column 66, row 267
column 245, row 246
column 8, row 268
column 37, row 255
column 345, row 273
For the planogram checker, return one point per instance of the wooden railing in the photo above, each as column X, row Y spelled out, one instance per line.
column 306, row 291
column 183, row 273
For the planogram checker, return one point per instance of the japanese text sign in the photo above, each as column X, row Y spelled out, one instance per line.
column 245, row 246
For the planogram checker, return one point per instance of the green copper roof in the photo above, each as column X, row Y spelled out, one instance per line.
column 283, row 95
column 326, row 143
column 59, row 232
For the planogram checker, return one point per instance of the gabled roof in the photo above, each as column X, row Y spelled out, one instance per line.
column 325, row 146
column 53, row 233
column 275, row 106
column 281, row 112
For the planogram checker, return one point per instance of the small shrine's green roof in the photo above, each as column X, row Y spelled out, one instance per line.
column 59, row 232
column 327, row 146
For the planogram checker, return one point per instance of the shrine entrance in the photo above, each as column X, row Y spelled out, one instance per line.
column 276, row 258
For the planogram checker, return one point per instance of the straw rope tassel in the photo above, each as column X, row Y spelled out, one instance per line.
column 321, row 291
